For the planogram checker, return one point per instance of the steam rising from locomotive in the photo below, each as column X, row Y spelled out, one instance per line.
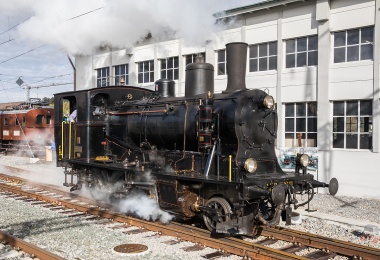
column 205, row 154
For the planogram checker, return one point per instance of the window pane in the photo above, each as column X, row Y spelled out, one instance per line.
column 339, row 55
column 313, row 43
column 221, row 56
column 189, row 59
column 290, row 60
column 272, row 48
column 221, row 69
column 312, row 58
column 312, row 139
column 353, row 37
column 263, row 50
column 301, row 44
column 146, row 66
column 365, row 107
column 273, row 63
column 351, row 124
column 253, row 65
column 338, row 108
column 312, row 124
column 253, row 51
column 140, row 78
column 353, row 53
column 170, row 74
column 289, row 125
column 163, row 64
column 365, row 141
column 301, row 124
column 263, row 64
column 176, row 74
column 339, row 39
column 351, row 141
column 352, row 108
column 301, row 59
column 163, row 74
column 366, row 52
column 170, row 63
column 176, row 62
column 338, row 140
column 312, row 109
column 127, row 69
column 365, row 125
column 151, row 65
column 301, row 109
column 367, row 35
column 146, row 77
column 289, row 110
column 290, row 46
column 151, row 76
column 338, row 124
column 141, row 66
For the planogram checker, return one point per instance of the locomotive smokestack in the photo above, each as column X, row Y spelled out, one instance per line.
column 236, row 53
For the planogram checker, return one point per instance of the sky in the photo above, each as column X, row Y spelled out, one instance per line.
column 38, row 38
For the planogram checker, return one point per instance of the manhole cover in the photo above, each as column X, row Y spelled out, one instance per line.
column 130, row 248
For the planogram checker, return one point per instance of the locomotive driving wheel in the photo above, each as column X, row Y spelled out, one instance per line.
column 220, row 212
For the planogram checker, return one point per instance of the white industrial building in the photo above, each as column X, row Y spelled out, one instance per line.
column 319, row 59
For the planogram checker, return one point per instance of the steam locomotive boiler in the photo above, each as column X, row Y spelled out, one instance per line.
column 202, row 155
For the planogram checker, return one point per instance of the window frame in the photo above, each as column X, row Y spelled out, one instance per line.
column 349, row 113
column 346, row 46
column 102, row 77
column 145, row 73
column 221, row 65
column 309, row 119
column 256, row 57
column 298, row 52
column 192, row 57
column 169, row 66
column 118, row 69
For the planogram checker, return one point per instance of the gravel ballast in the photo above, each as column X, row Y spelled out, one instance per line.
column 339, row 217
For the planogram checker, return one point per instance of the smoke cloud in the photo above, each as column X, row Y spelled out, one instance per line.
column 79, row 27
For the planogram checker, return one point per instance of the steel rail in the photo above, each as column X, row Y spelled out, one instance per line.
column 194, row 235
column 320, row 242
column 28, row 248
column 307, row 239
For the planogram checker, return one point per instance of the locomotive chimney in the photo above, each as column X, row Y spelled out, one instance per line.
column 236, row 53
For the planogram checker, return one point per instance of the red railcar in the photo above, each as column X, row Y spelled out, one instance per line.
column 26, row 128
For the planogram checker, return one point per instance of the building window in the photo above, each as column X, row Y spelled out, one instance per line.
column 301, row 124
column 24, row 121
column 191, row 58
column 302, row 52
column 146, row 71
column 5, row 121
column 102, row 77
column 17, row 122
column 352, row 124
column 122, row 75
column 169, row 68
column 353, row 45
column 222, row 62
column 39, row 119
column 48, row 120
column 263, row 57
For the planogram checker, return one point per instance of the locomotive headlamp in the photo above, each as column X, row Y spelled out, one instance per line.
column 305, row 160
column 250, row 165
column 268, row 101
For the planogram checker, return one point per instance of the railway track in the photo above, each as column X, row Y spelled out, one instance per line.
column 324, row 248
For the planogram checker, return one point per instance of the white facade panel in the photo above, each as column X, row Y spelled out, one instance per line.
column 355, row 171
column 261, row 29
column 167, row 49
column 102, row 60
column 144, row 53
column 353, row 80
column 120, row 57
column 299, row 22
column 220, row 40
column 299, row 84
column 264, row 81
column 85, row 74
column 351, row 14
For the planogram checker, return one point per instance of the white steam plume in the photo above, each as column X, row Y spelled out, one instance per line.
column 144, row 207
column 80, row 26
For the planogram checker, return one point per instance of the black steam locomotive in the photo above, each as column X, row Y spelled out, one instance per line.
column 204, row 154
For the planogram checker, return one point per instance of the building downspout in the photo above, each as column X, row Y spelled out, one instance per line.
column 75, row 72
